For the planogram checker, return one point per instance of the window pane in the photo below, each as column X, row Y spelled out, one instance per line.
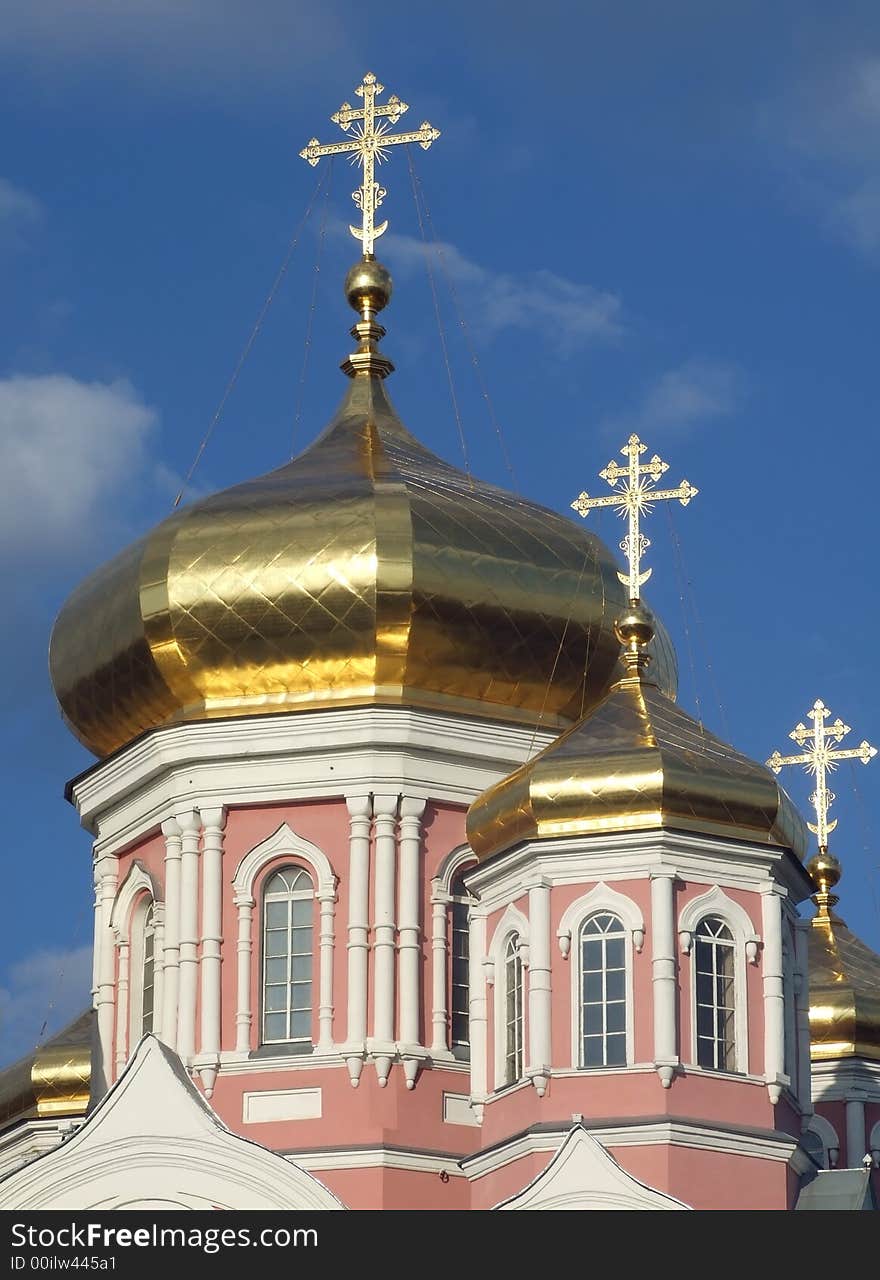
column 593, row 1051
column 615, row 1017
column 302, row 911
column 275, row 1026
column 592, row 987
column 594, row 1023
column 593, row 954
column 614, row 953
column 276, row 998
column 301, row 968
column 276, row 915
column 276, row 942
column 301, row 1025
column 704, row 988
column 301, row 941
column 300, row 995
column 705, row 1020
column 276, row 970
column 616, row 1051
column 615, row 984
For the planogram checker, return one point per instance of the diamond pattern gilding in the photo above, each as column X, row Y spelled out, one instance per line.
column 365, row 570
column 844, row 993
column 635, row 762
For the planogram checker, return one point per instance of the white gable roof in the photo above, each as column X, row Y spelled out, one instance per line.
column 582, row 1175
column 154, row 1142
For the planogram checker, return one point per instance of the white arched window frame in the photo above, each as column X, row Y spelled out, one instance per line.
column 283, row 846
column 601, row 899
column 827, row 1136
column 287, row 950
column 874, row 1145
column 135, row 909
column 716, row 904
column 448, row 901
column 513, row 928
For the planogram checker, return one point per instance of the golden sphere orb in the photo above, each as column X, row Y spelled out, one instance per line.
column 635, row 626
column 825, row 869
column 368, row 284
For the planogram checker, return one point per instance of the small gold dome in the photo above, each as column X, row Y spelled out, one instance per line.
column 365, row 571
column 636, row 762
column 844, row 992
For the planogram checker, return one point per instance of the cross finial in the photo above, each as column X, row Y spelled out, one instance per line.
column 819, row 757
column 367, row 145
column 634, row 497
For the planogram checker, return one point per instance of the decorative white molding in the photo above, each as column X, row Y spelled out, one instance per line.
column 855, row 1130
column 137, row 882
column 213, row 822
column 384, row 929
column 477, row 1010
column 512, row 924
column 448, row 869
column 173, row 844
column 827, row 1135
column 457, row 1109
column 190, row 828
column 745, row 944
column 540, row 994
column 377, row 1158
column 410, row 933
column 600, row 898
column 106, row 870
column 663, row 966
column 283, row 843
column 281, row 1104
column 134, row 1154
column 772, row 975
column 583, row 1175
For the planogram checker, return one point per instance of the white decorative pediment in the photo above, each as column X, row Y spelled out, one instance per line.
column 601, row 898
column 154, row 1142
column 715, row 902
column 582, row 1175
column 283, row 843
column 137, row 881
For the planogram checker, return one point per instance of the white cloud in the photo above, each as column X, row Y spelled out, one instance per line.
column 828, row 123
column 49, row 986
column 570, row 312
column 19, row 212
column 69, row 452
column 694, row 393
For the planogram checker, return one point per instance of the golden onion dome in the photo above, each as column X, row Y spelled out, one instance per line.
column 635, row 762
column 844, row 978
column 366, row 570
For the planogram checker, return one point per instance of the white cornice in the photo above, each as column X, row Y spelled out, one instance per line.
column 708, row 860
column 432, row 755
column 376, row 1158
column 837, row 1079
column 674, row 1133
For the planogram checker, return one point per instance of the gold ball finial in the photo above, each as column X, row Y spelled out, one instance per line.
column 635, row 630
column 826, row 871
column 368, row 287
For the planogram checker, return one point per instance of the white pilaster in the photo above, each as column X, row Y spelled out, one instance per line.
column 123, row 949
column 327, row 906
column 477, row 1013
column 384, row 819
column 213, row 821
column 360, row 810
column 158, row 965
column 167, row 1030
column 439, row 966
column 244, row 904
column 663, row 972
column 189, row 935
column 540, row 1053
column 410, row 936
column 802, row 1004
column 106, row 876
column 774, row 995
column 856, row 1143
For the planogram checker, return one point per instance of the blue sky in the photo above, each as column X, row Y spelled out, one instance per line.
column 655, row 218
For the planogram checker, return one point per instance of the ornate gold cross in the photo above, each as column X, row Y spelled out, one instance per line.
column 821, row 759
column 634, row 498
column 367, row 148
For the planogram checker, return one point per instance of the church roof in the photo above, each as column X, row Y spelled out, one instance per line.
column 844, row 992
column 53, row 1079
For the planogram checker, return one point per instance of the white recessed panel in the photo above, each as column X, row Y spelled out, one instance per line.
column 282, row 1104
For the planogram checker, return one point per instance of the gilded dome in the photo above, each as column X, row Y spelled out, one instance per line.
column 636, row 762
column 366, row 570
column 844, row 977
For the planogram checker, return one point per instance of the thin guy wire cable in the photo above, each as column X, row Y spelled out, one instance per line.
column 478, row 369
column 453, row 396
column 562, row 640
column 308, row 342
column 253, row 337
column 679, row 578
column 59, row 977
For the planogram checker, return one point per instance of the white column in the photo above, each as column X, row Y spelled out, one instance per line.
column 856, row 1143
column 440, row 903
column 802, row 1005
column 410, row 935
column 327, row 905
column 774, row 996
column 244, row 950
column 122, row 947
column 477, row 1012
column 189, row 935
column 168, row 1030
column 360, row 809
column 663, row 972
column 384, row 818
column 158, row 965
column 540, row 1052
column 106, row 875
column 213, row 821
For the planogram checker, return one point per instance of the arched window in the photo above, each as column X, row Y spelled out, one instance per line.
column 459, row 987
column 148, row 970
column 513, row 1011
column 287, row 957
column 714, row 962
column 603, row 991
